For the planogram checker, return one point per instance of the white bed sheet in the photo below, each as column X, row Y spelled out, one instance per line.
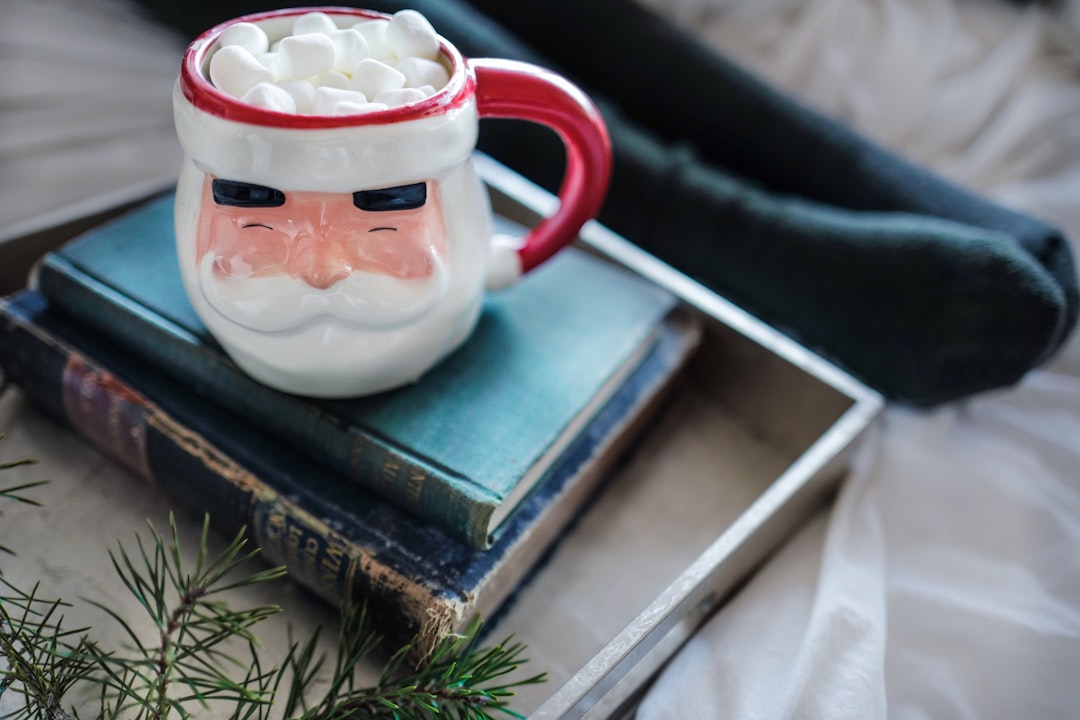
column 945, row 581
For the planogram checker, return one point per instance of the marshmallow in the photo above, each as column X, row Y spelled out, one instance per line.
column 302, row 93
column 420, row 71
column 409, row 34
column 270, row 96
column 234, row 71
column 325, row 70
column 248, row 36
column 271, row 61
column 352, row 108
column 314, row 22
column 403, row 96
column 306, row 55
column 331, row 78
column 374, row 31
column 373, row 77
column 326, row 98
column 350, row 47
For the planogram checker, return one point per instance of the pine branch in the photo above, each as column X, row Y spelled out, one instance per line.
column 42, row 665
column 14, row 493
column 40, row 662
column 456, row 681
column 189, row 661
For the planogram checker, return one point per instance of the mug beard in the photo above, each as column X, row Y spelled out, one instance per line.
column 281, row 303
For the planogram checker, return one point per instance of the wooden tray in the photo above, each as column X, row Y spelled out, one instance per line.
column 752, row 441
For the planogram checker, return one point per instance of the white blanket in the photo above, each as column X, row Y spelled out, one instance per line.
column 945, row 581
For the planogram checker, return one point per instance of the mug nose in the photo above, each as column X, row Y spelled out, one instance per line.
column 324, row 277
column 319, row 261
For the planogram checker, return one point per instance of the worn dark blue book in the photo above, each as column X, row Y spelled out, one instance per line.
column 461, row 448
column 346, row 544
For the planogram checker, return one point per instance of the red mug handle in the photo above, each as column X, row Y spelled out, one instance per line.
column 519, row 90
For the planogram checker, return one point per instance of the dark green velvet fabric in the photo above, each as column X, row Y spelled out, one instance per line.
column 919, row 288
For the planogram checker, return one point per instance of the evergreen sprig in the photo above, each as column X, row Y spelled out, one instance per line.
column 204, row 655
column 42, row 663
column 458, row 679
column 186, row 662
column 15, row 493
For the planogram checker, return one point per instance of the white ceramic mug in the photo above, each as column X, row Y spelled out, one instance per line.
column 344, row 255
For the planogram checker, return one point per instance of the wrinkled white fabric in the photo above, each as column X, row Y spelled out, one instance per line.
column 945, row 581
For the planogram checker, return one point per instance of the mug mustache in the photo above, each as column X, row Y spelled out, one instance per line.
column 281, row 303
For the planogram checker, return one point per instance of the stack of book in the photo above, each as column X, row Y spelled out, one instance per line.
column 431, row 503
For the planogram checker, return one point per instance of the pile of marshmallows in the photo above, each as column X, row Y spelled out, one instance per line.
column 322, row 69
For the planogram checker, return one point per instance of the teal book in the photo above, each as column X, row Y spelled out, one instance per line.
column 344, row 543
column 461, row 448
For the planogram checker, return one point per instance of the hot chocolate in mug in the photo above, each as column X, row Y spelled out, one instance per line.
column 332, row 233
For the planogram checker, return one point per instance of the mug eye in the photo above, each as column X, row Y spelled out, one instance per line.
column 241, row 194
column 402, row 197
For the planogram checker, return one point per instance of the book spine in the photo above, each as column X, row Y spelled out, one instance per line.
column 126, row 426
column 450, row 502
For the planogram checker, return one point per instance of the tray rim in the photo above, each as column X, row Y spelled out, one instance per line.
column 611, row 681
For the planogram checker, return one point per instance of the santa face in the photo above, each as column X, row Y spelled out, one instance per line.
column 332, row 294
column 278, row 261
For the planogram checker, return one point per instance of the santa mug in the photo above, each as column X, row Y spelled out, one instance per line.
column 337, row 248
